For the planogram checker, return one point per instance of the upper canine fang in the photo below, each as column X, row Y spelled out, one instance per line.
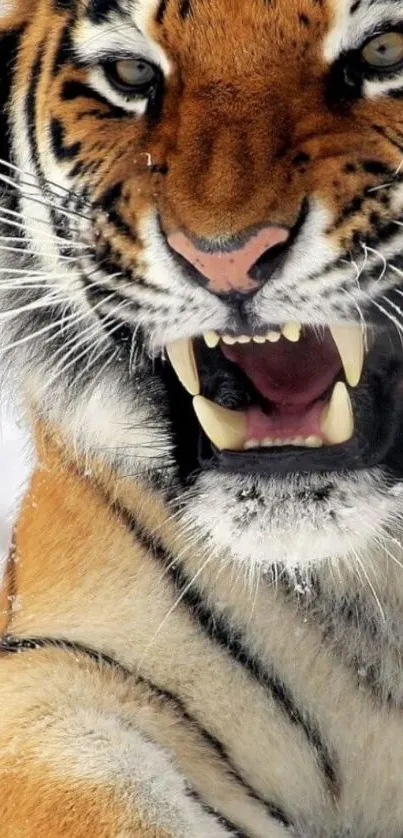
column 350, row 342
column 181, row 356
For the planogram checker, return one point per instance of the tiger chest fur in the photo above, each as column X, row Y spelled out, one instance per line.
column 201, row 300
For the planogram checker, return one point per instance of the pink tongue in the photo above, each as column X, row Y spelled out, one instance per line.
column 288, row 374
column 293, row 378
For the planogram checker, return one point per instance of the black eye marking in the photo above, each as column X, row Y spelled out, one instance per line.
column 76, row 89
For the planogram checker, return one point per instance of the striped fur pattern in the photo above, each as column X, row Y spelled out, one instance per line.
column 187, row 653
column 275, row 703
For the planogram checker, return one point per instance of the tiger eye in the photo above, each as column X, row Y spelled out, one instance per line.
column 385, row 51
column 134, row 72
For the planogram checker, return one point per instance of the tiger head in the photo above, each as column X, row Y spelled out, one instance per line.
column 201, row 257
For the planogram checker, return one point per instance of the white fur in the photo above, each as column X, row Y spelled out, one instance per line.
column 268, row 526
column 98, row 746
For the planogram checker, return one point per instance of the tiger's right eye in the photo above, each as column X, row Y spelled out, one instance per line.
column 133, row 76
column 385, row 52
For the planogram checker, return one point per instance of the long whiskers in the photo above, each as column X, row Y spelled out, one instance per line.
column 48, row 183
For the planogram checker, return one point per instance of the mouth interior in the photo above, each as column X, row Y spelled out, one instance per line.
column 293, row 383
column 297, row 399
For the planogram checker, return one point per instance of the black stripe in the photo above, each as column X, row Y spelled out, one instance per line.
column 64, row 5
column 231, row 639
column 161, row 11
column 10, row 644
column 73, row 89
column 99, row 10
column 384, row 132
column 64, row 53
column 235, row 833
column 9, row 43
column 107, row 202
column 185, row 9
column 30, row 108
column 60, row 149
column 58, row 221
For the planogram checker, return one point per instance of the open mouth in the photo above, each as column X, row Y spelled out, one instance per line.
column 296, row 398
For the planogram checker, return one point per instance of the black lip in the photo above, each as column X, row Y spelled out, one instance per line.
column 285, row 461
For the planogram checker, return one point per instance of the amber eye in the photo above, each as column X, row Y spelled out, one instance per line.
column 385, row 52
column 132, row 75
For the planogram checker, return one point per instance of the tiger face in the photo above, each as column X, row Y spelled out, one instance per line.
column 209, row 293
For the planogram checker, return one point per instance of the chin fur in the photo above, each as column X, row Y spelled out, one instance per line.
column 295, row 522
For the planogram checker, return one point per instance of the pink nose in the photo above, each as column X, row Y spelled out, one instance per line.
column 228, row 272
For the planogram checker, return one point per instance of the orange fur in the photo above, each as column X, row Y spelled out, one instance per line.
column 55, row 572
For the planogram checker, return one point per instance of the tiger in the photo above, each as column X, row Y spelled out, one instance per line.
column 201, row 309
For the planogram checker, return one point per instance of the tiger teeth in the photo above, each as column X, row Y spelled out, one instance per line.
column 337, row 422
column 297, row 442
column 350, row 342
column 290, row 331
column 212, row 339
column 181, row 356
column 226, row 429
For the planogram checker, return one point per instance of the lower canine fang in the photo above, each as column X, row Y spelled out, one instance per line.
column 226, row 429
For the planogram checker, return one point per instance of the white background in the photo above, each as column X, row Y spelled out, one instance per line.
column 14, row 468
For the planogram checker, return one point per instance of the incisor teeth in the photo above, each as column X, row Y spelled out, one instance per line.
column 313, row 442
column 273, row 337
column 229, row 340
column 337, row 422
column 292, row 332
column 350, row 342
column 181, row 356
column 297, row 442
column 226, row 429
column 212, row 339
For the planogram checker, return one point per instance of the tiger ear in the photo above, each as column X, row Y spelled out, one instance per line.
column 15, row 13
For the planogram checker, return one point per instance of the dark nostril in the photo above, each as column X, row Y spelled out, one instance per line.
column 268, row 263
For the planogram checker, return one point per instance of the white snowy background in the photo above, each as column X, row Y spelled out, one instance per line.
column 14, row 467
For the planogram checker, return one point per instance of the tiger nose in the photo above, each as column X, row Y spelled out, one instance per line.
column 241, row 270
